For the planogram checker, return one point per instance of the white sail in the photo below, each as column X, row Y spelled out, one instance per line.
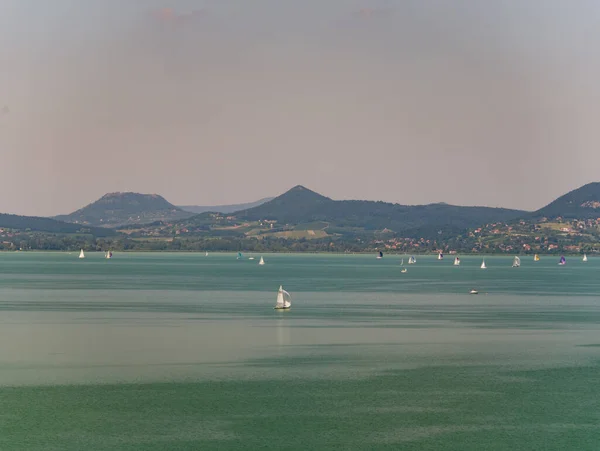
column 584, row 258
column 284, row 299
column 536, row 258
column 108, row 254
column 483, row 265
column 516, row 262
column 412, row 260
column 456, row 261
column 262, row 261
column 81, row 254
column 402, row 262
column 206, row 254
column 440, row 256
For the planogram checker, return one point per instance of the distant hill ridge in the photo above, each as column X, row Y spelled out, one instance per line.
column 122, row 208
column 581, row 203
column 230, row 208
column 301, row 205
column 48, row 225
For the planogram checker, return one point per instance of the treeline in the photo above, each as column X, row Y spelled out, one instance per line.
column 49, row 242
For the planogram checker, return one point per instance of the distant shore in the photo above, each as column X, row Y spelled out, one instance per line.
column 374, row 253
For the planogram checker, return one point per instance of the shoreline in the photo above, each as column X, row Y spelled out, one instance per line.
column 428, row 254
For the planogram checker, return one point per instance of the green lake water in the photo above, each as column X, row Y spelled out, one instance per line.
column 160, row 351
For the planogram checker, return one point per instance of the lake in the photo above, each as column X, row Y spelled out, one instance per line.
column 155, row 351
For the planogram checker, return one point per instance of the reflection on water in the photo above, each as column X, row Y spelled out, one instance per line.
column 283, row 331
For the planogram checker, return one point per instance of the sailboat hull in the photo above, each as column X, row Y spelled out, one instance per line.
column 282, row 308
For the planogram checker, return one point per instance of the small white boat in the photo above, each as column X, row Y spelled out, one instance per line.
column 261, row 261
column 563, row 261
column 412, row 260
column 516, row 262
column 108, row 254
column 536, row 258
column 440, row 256
column 251, row 258
column 473, row 291
column 206, row 254
column 380, row 255
column 456, row 261
column 284, row 300
column 81, row 254
column 483, row 264
column 404, row 270
column 584, row 258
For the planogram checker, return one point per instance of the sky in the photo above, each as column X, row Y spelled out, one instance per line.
column 469, row 102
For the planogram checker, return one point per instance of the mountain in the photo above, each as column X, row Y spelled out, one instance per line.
column 48, row 225
column 301, row 205
column 117, row 209
column 302, row 210
column 197, row 209
column 581, row 203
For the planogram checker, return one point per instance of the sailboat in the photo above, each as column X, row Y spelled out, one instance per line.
column 206, row 254
column 483, row 264
column 402, row 262
column 440, row 256
column 240, row 256
column 284, row 300
column 81, row 254
column 262, row 261
column 108, row 254
column 380, row 255
column 456, row 261
column 516, row 262
column 563, row 261
column 403, row 270
column 584, row 257
column 412, row 260
column 536, row 258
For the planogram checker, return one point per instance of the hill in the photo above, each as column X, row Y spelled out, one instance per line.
column 117, row 209
column 48, row 225
column 302, row 213
column 581, row 203
column 301, row 205
column 197, row 209
column 297, row 205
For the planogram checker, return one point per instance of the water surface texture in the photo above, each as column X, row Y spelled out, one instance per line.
column 156, row 351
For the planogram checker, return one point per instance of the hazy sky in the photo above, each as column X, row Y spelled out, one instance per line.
column 472, row 102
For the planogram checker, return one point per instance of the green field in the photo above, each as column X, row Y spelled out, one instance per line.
column 317, row 225
column 299, row 234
